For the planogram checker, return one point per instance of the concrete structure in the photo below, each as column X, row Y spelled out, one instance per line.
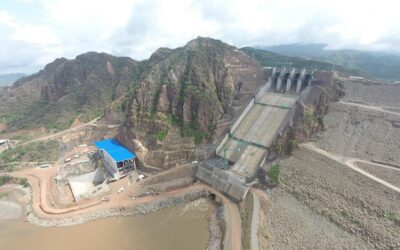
column 117, row 159
column 281, row 79
column 248, row 143
column 89, row 185
column 304, row 80
column 245, row 148
column 291, row 81
column 224, row 181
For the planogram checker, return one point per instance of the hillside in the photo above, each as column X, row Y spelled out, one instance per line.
column 379, row 65
column 192, row 87
column 66, row 90
column 271, row 59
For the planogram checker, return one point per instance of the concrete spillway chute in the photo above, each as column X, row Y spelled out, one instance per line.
column 290, row 79
column 275, row 75
column 281, row 79
column 301, row 79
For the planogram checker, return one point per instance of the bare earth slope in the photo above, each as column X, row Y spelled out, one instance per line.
column 294, row 226
column 372, row 93
column 361, row 133
column 357, row 204
column 344, row 208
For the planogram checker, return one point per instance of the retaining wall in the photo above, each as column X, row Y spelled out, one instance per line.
column 242, row 115
column 170, row 175
column 224, row 182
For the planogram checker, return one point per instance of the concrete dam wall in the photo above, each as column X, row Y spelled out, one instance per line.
column 247, row 144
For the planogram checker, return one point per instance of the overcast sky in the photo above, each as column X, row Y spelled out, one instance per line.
column 35, row 32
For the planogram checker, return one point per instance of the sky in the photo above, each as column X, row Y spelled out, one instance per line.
column 36, row 32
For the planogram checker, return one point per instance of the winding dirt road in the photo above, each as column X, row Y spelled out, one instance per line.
column 352, row 163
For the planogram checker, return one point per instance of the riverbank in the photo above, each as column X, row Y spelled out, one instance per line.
column 141, row 209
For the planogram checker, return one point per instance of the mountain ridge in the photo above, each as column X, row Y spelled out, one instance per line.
column 381, row 65
column 197, row 84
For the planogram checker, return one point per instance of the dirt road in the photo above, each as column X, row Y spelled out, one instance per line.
column 52, row 136
column 351, row 163
column 376, row 108
column 61, row 132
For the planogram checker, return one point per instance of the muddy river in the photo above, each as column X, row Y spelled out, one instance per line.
column 183, row 227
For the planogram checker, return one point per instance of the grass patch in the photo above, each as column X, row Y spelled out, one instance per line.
column 24, row 137
column 37, row 151
column 274, row 174
column 161, row 135
column 199, row 135
column 3, row 195
column 22, row 181
column 4, row 179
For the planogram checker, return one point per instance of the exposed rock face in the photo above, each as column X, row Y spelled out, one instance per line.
column 65, row 90
column 196, row 85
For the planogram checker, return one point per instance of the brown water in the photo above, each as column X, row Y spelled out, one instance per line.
column 183, row 227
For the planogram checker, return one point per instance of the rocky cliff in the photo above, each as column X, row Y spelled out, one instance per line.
column 193, row 87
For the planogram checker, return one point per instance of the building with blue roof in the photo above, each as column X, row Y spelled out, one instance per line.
column 117, row 159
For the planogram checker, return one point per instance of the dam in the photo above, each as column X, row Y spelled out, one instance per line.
column 245, row 148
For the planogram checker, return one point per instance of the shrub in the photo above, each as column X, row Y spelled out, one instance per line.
column 274, row 174
column 4, row 179
column 161, row 135
column 23, row 182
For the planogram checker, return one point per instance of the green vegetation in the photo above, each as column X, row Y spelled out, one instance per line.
column 37, row 151
column 4, row 179
column 161, row 135
column 198, row 135
column 24, row 137
column 22, row 181
column 379, row 65
column 270, row 59
column 274, row 174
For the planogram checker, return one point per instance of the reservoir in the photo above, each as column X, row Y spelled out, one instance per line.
column 182, row 227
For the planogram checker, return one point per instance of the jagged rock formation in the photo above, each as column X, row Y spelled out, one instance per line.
column 193, row 87
column 187, row 96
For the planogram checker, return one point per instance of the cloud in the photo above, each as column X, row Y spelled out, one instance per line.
column 66, row 28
